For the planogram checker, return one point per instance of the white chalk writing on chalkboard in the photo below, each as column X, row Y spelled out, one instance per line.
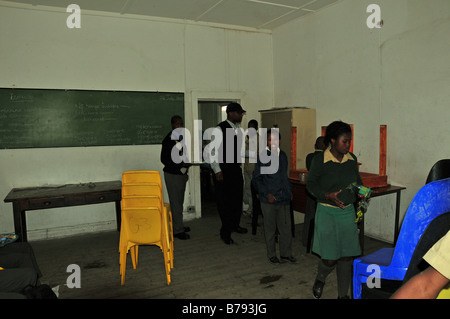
column 65, row 118
column 21, row 98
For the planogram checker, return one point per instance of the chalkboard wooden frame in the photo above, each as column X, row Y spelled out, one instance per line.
column 40, row 118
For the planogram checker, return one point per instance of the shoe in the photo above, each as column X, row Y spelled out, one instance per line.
column 291, row 259
column 274, row 260
column 182, row 236
column 227, row 240
column 241, row 230
column 318, row 288
column 247, row 213
column 187, row 229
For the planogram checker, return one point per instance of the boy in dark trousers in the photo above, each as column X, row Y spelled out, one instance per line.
column 274, row 192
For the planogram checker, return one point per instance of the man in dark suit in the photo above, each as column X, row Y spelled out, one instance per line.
column 175, row 176
column 229, row 182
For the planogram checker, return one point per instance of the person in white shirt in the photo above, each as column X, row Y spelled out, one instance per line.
column 229, row 182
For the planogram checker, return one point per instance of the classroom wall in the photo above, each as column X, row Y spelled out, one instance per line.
column 112, row 52
column 396, row 75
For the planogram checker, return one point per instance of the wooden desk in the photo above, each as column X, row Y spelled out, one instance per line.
column 299, row 203
column 298, row 195
column 390, row 189
column 33, row 198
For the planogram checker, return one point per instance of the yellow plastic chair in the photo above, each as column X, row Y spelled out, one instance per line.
column 143, row 183
column 145, row 189
column 133, row 248
column 153, row 201
column 142, row 226
column 141, row 177
column 142, row 189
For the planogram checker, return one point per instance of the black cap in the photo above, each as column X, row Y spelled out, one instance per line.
column 235, row 107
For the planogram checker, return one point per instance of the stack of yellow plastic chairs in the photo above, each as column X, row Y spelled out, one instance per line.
column 146, row 219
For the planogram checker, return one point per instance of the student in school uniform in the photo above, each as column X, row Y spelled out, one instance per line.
column 275, row 195
column 250, row 196
column 249, row 166
column 319, row 147
column 335, row 233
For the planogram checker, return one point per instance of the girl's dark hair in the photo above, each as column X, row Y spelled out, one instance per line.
column 336, row 129
column 252, row 123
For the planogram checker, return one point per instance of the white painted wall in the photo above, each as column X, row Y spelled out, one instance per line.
column 112, row 52
column 397, row 75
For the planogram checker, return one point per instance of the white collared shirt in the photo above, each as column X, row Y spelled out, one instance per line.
column 214, row 165
column 328, row 156
column 278, row 149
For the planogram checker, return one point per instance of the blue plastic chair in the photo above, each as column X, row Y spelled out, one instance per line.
column 431, row 200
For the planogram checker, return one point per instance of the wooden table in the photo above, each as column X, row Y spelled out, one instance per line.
column 299, row 203
column 33, row 198
column 390, row 189
column 298, row 195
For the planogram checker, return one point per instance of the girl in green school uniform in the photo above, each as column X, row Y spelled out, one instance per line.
column 336, row 233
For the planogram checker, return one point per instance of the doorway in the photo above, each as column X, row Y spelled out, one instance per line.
column 210, row 104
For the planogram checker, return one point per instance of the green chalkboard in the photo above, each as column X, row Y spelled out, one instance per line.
column 34, row 118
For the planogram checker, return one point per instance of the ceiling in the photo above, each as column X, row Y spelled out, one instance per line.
column 260, row 14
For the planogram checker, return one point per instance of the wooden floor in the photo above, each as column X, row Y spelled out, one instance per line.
column 204, row 267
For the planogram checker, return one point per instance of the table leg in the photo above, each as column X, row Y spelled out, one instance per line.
column 310, row 235
column 118, row 214
column 397, row 213
column 361, row 235
column 291, row 209
column 20, row 223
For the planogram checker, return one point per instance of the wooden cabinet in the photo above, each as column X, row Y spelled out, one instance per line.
column 304, row 120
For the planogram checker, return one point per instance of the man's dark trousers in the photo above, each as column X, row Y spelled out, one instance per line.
column 229, row 196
